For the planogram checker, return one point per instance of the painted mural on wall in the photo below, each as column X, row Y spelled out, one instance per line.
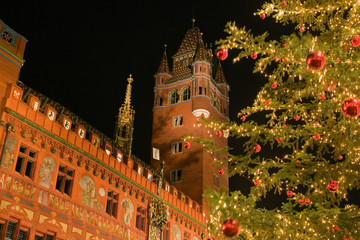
column 45, row 175
column 176, row 232
column 129, row 209
column 8, row 155
column 89, row 195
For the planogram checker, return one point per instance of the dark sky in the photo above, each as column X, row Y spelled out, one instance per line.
column 80, row 54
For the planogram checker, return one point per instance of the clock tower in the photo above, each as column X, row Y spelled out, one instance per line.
column 194, row 87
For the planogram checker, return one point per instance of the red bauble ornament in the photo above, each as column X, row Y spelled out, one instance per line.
column 257, row 148
column 340, row 157
column 335, row 228
column 333, row 186
column 267, row 102
column 316, row 61
column 219, row 133
column 230, row 228
column 290, row 193
column 283, row 3
column 322, row 97
column 187, row 145
column 301, row 29
column 262, row 16
column 351, row 107
column 297, row 118
column 276, row 58
column 253, row 55
column 274, row 85
column 355, row 41
column 279, row 140
column 301, row 201
column 316, row 136
column 307, row 201
column 284, row 44
column 256, row 182
column 221, row 171
column 222, row 54
column 243, row 118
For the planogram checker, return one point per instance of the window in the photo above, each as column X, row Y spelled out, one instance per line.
column 175, row 175
column 25, row 163
column 186, row 93
column 200, row 90
column 176, row 147
column 162, row 80
column 161, row 101
column 200, row 69
column 140, row 218
column 112, row 203
column 177, row 121
column 65, row 179
column 44, row 236
column 216, row 180
column 174, row 97
column 166, row 232
column 186, row 236
column 11, row 228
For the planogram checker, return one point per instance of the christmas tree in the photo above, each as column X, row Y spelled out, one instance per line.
column 301, row 136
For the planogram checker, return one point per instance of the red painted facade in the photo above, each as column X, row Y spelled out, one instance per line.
column 61, row 179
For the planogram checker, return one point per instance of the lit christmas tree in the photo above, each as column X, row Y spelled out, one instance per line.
column 302, row 134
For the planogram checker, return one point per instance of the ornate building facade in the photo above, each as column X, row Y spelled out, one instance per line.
column 61, row 178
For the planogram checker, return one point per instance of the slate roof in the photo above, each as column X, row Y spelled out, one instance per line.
column 201, row 53
column 164, row 65
column 190, row 41
column 220, row 76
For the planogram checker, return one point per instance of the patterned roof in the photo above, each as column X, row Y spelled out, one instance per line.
column 220, row 76
column 190, row 41
column 164, row 65
column 201, row 53
column 180, row 73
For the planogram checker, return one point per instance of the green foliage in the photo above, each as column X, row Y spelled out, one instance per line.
column 297, row 120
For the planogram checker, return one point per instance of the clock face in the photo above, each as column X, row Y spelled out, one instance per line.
column 81, row 133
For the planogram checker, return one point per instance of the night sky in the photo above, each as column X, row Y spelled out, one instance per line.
column 80, row 55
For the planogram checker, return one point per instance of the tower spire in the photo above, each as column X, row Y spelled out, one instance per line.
column 124, row 126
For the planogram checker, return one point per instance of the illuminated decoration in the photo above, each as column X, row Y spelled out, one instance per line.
column 253, row 55
column 283, row 3
column 355, row 41
column 187, row 145
column 262, row 15
column 274, row 85
column 230, row 228
column 257, row 148
column 316, row 61
column 333, row 186
column 313, row 111
column 256, row 182
column 221, row 171
column 219, row 133
column 316, row 136
column 222, row 54
column 351, row 107
column 199, row 112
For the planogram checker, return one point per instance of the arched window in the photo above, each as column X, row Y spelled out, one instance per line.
column 123, row 131
column 174, row 97
column 186, row 93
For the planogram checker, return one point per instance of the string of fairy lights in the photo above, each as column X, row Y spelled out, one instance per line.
column 308, row 149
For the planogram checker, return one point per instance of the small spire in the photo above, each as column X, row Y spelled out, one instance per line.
column 193, row 22
column 127, row 102
column 164, row 64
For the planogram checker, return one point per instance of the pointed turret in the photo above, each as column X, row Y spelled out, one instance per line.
column 164, row 64
column 124, row 127
column 220, row 76
column 201, row 52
